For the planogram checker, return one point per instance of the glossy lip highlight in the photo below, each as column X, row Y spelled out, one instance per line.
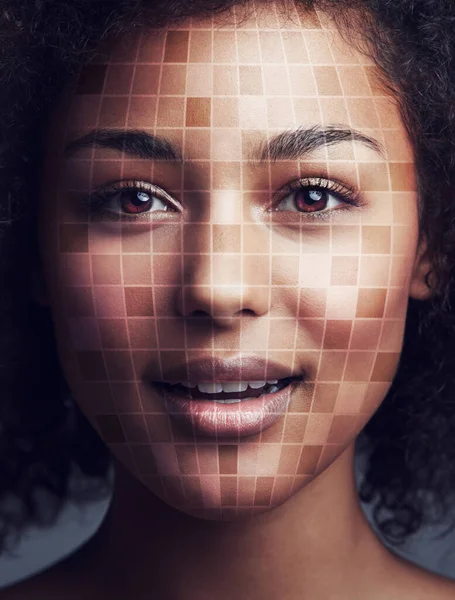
column 245, row 418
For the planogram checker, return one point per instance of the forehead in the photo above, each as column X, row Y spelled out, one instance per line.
column 269, row 32
column 218, row 86
column 268, row 37
column 281, row 41
column 257, row 68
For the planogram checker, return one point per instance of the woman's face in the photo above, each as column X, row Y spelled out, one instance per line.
column 254, row 219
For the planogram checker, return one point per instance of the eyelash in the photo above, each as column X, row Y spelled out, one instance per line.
column 96, row 202
column 350, row 197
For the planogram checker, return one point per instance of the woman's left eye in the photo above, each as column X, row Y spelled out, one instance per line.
column 309, row 200
column 316, row 195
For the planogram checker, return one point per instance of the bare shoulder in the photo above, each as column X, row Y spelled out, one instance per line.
column 416, row 583
column 435, row 587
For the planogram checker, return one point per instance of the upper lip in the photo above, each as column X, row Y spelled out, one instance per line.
column 244, row 368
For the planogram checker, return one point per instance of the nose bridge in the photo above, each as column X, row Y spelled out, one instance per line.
column 215, row 280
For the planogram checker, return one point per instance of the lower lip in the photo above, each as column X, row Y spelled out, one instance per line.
column 244, row 418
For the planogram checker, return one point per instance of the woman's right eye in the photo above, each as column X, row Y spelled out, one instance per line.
column 134, row 201
column 130, row 198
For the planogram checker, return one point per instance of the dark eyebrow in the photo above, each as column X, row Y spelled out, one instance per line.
column 296, row 143
column 135, row 142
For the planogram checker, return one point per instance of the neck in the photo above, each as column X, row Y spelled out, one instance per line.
column 317, row 544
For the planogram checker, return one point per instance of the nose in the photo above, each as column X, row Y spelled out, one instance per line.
column 217, row 281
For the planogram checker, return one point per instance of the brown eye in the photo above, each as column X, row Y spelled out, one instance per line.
column 138, row 201
column 310, row 199
column 133, row 201
column 129, row 200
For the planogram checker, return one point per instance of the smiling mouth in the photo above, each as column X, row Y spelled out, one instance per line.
column 225, row 392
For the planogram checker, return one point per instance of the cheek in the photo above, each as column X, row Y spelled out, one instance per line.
column 352, row 311
column 106, row 308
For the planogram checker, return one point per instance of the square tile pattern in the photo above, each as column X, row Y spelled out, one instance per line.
column 216, row 92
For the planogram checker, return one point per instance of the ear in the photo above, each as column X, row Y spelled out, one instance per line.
column 38, row 287
column 419, row 288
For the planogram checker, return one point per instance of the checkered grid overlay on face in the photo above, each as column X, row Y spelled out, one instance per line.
column 331, row 295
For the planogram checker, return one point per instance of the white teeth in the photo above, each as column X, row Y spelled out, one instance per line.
column 216, row 387
column 210, row 388
column 234, row 386
column 256, row 384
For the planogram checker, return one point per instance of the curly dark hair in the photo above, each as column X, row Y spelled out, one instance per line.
column 410, row 440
